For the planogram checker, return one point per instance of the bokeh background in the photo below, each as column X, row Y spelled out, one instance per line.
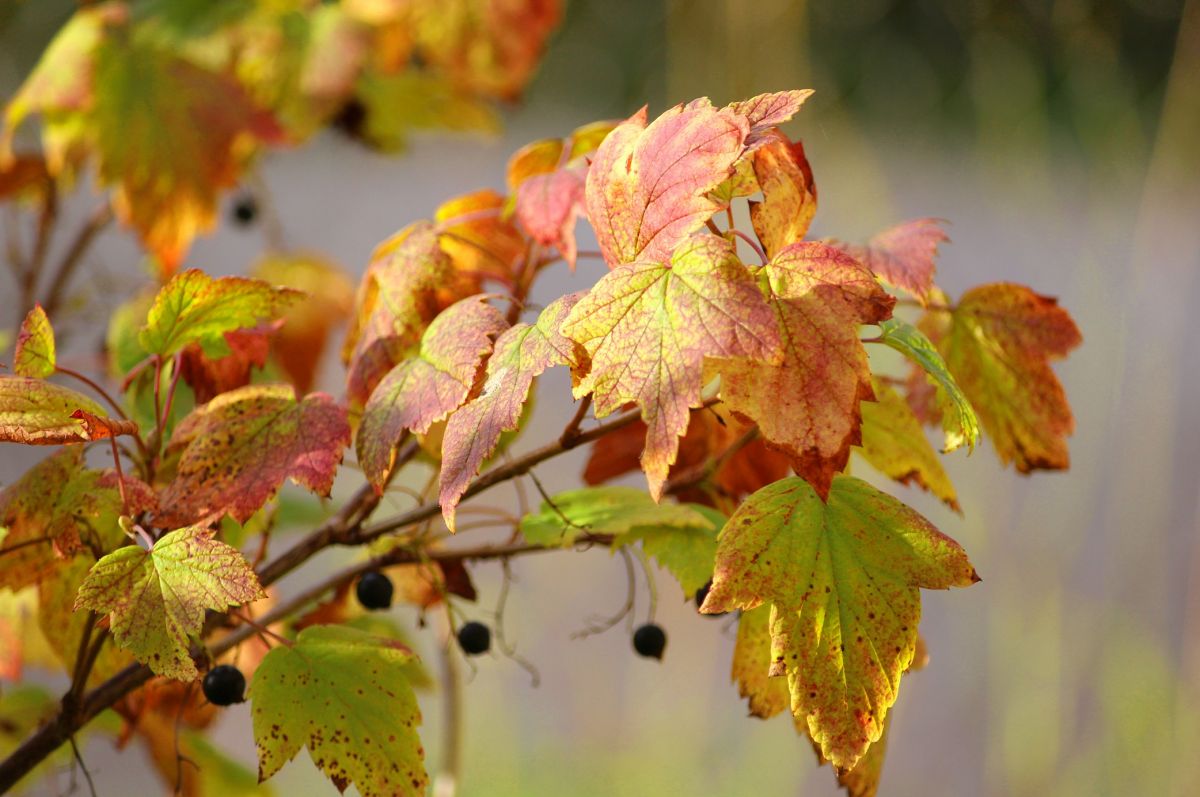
column 1061, row 138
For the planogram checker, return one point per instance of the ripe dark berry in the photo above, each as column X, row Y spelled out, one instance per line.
column 474, row 638
column 245, row 210
column 225, row 685
column 649, row 641
column 374, row 590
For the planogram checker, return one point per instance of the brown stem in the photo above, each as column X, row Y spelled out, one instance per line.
column 47, row 219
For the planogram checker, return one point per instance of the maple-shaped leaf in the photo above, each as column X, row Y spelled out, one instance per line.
column 687, row 551
column 195, row 308
column 427, row 387
column 999, row 347
column 605, row 510
column 768, row 110
column 895, row 444
column 299, row 345
column 480, row 241
column 767, row 695
column 842, row 577
column 240, row 447
column 35, row 353
column 959, row 422
column 51, row 512
column 40, row 413
column 156, row 599
column 342, row 694
column 903, row 256
column 647, row 186
column 709, row 435
column 808, row 405
column 789, row 194
column 398, row 297
column 520, row 354
column 648, row 328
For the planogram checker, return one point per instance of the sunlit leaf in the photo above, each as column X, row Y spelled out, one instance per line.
column 63, row 627
column 958, row 416
column 895, row 444
column 522, row 353
column 808, row 405
column 156, row 599
column 647, row 185
column 605, row 510
column 904, row 256
column 240, row 447
column 999, row 348
column 39, row 413
column 842, row 577
column 766, row 695
column 648, row 328
column 195, row 308
column 769, row 110
column 429, row 386
column 686, row 551
column 343, row 695
column 789, row 194
column 481, row 242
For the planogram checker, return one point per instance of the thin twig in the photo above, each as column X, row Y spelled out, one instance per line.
column 600, row 625
column 753, row 244
column 83, row 767
column 571, row 431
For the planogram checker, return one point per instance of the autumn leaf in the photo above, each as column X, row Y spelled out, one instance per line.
column 766, row 695
column 520, row 354
column 342, row 694
column 299, row 345
column 240, row 447
column 548, row 206
column 395, row 104
column 959, row 422
column 35, row 355
column 999, row 348
column 895, row 445
column 604, row 510
column 156, row 599
column 51, row 512
column 195, row 308
column 648, row 328
column 397, row 299
column 63, row 627
column 40, row 413
column 808, row 405
column 647, row 185
column 842, row 578
column 903, row 256
column 480, row 242
column 97, row 428
column 426, row 388
column 768, row 110
column 208, row 377
column 789, row 194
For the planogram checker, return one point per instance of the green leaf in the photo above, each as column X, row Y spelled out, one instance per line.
column 35, row 354
column 604, row 510
column 63, row 627
column 843, row 580
column 38, row 413
column 958, row 416
column 156, row 599
column 895, row 444
column 342, row 694
column 195, row 308
column 688, row 551
column 238, row 449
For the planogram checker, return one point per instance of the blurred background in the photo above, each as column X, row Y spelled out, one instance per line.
column 1061, row 138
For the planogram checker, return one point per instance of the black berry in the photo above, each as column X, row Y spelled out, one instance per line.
column 225, row 685
column 649, row 641
column 374, row 590
column 474, row 638
column 245, row 210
